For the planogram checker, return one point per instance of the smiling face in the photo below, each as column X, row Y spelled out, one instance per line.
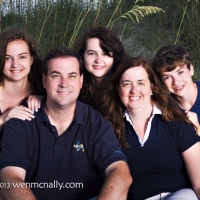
column 63, row 81
column 179, row 81
column 97, row 63
column 135, row 89
column 18, row 61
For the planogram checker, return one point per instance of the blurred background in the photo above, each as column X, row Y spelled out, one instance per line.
column 143, row 26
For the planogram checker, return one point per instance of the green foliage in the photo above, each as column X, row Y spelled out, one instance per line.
column 61, row 22
column 142, row 26
column 137, row 12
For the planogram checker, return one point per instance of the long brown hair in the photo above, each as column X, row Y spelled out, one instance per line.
column 35, row 74
column 113, row 109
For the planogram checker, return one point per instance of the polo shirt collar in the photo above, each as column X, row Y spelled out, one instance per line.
column 41, row 115
column 147, row 132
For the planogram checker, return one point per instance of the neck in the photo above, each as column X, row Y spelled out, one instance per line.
column 60, row 116
column 141, row 116
column 14, row 89
column 101, row 83
column 140, row 119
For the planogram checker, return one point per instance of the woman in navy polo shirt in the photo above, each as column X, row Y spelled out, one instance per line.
column 102, row 52
column 20, row 75
column 160, row 143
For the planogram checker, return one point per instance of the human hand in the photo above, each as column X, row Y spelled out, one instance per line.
column 20, row 112
column 34, row 102
column 192, row 116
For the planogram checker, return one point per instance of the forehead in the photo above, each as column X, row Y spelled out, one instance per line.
column 136, row 73
column 64, row 65
column 92, row 43
column 17, row 45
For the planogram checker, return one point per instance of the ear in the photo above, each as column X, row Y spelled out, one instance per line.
column 152, row 87
column 44, row 80
column 191, row 69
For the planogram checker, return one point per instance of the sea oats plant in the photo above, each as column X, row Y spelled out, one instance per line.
column 142, row 26
column 61, row 22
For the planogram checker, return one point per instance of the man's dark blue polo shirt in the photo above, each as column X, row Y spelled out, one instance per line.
column 80, row 155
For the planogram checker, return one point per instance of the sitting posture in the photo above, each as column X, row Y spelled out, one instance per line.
column 160, row 143
column 67, row 143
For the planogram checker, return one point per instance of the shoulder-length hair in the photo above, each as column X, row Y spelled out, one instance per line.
column 35, row 74
column 113, row 109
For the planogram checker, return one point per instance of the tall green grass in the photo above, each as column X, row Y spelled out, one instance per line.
column 142, row 26
column 62, row 22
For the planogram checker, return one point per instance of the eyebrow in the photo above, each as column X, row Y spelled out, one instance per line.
column 175, row 71
column 56, row 72
column 18, row 54
column 142, row 80
column 90, row 50
column 179, row 69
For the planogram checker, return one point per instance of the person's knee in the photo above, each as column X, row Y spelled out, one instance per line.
column 183, row 194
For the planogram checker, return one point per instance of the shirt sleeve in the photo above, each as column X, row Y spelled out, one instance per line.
column 14, row 145
column 186, row 136
column 106, row 147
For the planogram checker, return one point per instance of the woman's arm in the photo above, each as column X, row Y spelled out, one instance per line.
column 20, row 112
column 192, row 161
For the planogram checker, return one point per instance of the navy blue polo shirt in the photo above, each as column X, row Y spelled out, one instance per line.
column 80, row 155
column 196, row 107
column 158, row 166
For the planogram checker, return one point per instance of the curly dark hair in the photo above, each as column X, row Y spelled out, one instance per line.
column 110, row 44
column 35, row 75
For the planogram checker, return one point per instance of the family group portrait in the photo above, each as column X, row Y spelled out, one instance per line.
column 99, row 100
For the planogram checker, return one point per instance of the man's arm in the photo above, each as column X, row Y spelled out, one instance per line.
column 14, row 186
column 117, row 182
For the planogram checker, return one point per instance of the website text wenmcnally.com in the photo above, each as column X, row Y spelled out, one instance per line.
column 54, row 184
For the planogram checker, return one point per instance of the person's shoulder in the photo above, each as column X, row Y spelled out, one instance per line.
column 89, row 113
column 198, row 84
column 180, row 128
column 18, row 123
column 86, row 108
column 177, row 126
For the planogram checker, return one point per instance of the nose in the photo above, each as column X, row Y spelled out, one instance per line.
column 64, row 82
column 98, row 59
column 134, row 89
column 175, row 80
column 15, row 63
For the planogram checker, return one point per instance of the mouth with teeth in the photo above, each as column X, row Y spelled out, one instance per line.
column 97, row 67
column 134, row 98
column 64, row 93
column 16, row 71
column 178, row 89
